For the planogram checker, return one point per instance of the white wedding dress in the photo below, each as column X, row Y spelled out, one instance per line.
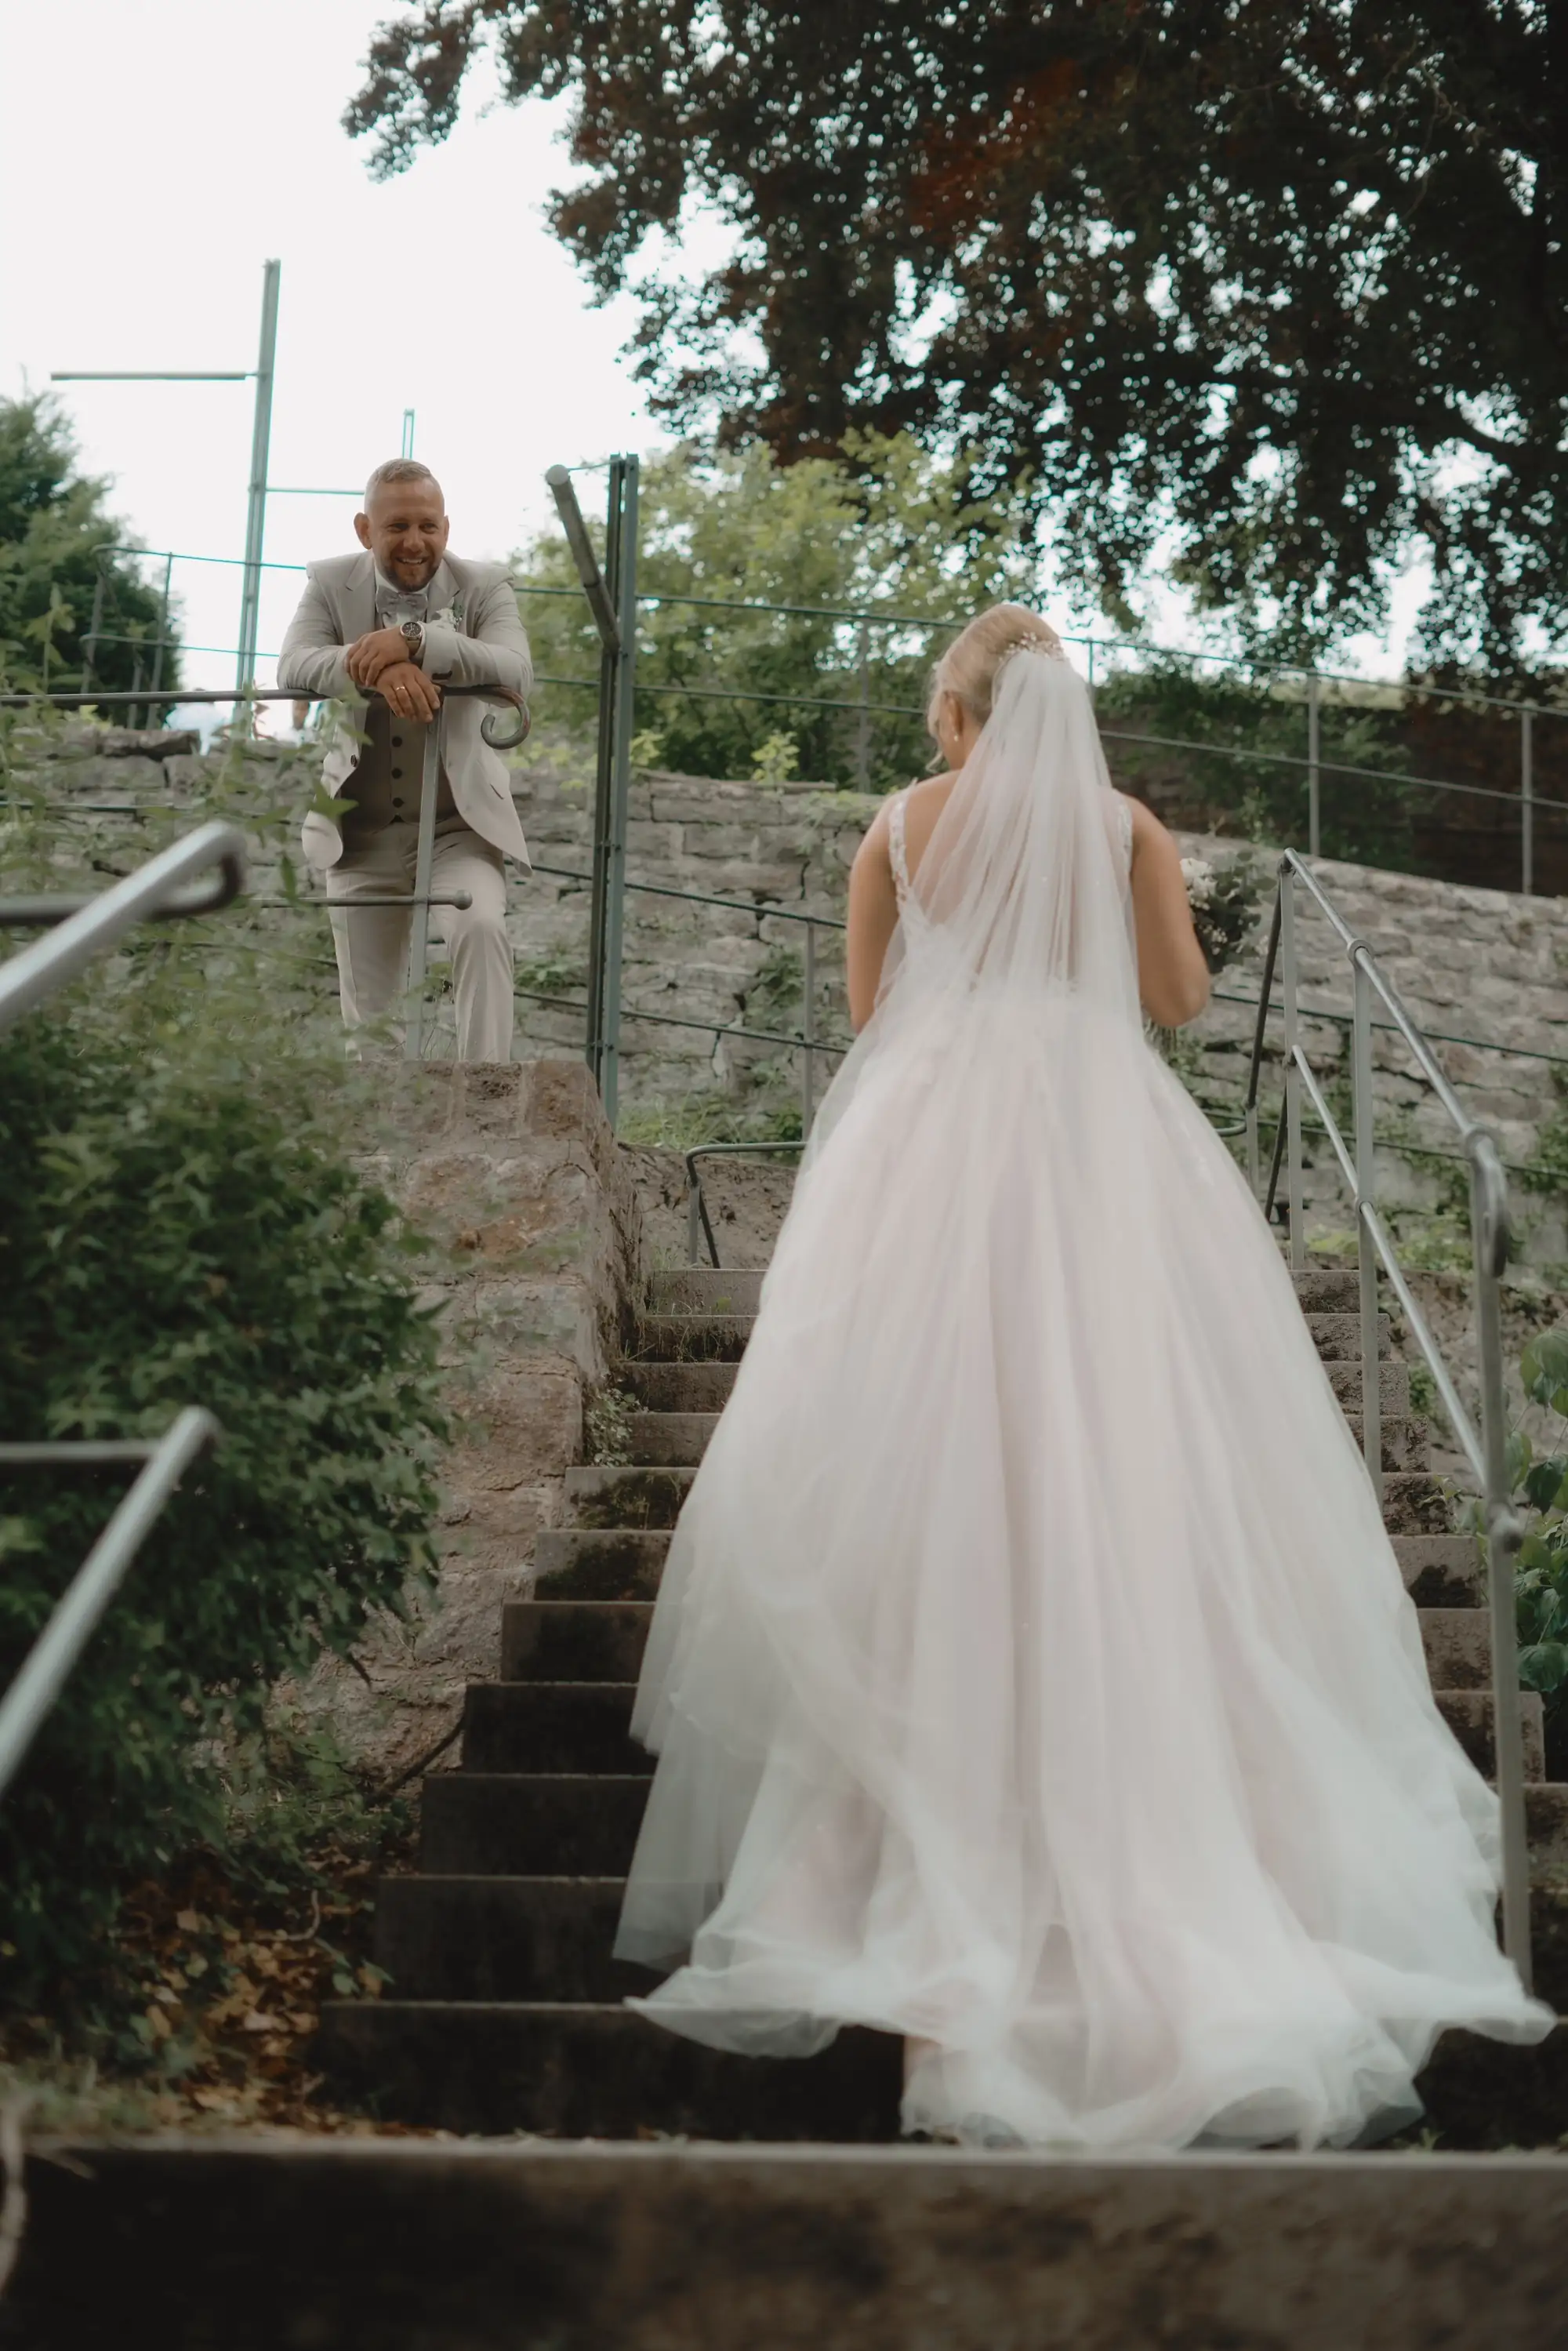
column 1031, row 1674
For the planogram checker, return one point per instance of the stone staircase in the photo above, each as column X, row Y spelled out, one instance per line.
column 504, row 2012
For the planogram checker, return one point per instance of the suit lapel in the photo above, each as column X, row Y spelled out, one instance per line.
column 360, row 601
column 445, row 587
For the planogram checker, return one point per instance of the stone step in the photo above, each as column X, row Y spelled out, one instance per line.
column 518, row 1824
column 270, row 2241
column 1338, row 1336
column 503, row 1939
column 671, row 1440
column 626, row 1497
column 1414, row 1503
column 699, row 1289
column 693, row 1338
column 551, row 1939
column 1469, row 1716
column 1392, row 1384
column 599, row 1563
column 584, row 1727
column 1406, row 1439
column 1458, row 1643
column 573, row 1640
column 1441, row 1571
column 566, row 1726
column 603, row 1640
column 581, row 2071
column 673, row 1387
column 1328, row 1290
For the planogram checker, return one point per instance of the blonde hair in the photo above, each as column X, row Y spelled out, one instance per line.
column 968, row 667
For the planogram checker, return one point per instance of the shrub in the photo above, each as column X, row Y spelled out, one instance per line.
column 181, row 1222
column 1540, row 1481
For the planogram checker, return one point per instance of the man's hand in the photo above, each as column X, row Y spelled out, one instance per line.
column 408, row 691
column 367, row 656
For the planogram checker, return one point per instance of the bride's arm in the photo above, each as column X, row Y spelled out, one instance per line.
column 873, row 916
column 1173, row 977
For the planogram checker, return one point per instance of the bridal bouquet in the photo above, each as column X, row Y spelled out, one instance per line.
column 1224, row 902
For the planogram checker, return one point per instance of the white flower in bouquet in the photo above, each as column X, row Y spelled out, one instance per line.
column 1199, row 876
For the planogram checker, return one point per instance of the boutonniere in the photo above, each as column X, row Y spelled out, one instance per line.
column 451, row 614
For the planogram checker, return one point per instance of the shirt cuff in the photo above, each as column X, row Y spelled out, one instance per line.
column 438, row 649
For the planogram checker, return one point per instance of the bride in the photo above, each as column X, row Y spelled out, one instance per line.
column 1032, row 1675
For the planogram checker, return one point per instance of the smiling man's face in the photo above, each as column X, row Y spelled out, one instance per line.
column 405, row 529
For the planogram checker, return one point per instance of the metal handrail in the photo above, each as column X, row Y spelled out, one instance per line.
column 50, row 1662
column 160, row 888
column 1484, row 1449
column 696, row 1205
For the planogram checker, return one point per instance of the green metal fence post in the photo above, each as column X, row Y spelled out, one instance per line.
column 256, row 503
column 624, row 587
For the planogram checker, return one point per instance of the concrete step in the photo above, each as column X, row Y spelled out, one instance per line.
column 1469, row 1716
column 1392, row 1384
column 518, row 1824
column 699, row 1289
column 1441, row 1571
column 599, row 1563
column 581, row 2071
column 1458, row 1643
column 602, row 1641
column 1414, row 1503
column 551, row 1939
column 269, row 2242
column 584, row 1727
column 566, row 1726
column 503, row 1939
column 626, row 1497
column 671, row 1440
column 1406, row 1439
column 666, row 1387
column 573, row 1640
column 693, row 1338
column 1338, row 1336
column 1328, row 1290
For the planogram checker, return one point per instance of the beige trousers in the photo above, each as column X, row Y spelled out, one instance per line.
column 373, row 945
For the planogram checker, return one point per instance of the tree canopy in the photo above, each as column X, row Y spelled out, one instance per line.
column 895, row 529
column 52, row 521
column 1272, row 292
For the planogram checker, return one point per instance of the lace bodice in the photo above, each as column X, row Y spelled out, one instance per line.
column 898, row 844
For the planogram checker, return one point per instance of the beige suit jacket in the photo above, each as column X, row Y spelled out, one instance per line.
column 484, row 643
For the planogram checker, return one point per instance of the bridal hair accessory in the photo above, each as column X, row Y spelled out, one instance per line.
column 1044, row 649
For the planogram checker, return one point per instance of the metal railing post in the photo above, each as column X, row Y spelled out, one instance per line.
column 423, row 865
column 863, row 722
column 256, row 503
column 1527, row 802
column 1364, row 1129
column 89, row 643
column 808, row 1028
column 1489, row 1232
column 1292, row 1067
column 601, row 604
column 1314, row 778
column 625, row 586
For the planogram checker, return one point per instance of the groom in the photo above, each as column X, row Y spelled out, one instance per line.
column 406, row 616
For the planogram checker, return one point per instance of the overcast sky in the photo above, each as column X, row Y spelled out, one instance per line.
column 156, row 153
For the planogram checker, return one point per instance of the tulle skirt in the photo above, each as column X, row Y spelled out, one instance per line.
column 1032, row 1675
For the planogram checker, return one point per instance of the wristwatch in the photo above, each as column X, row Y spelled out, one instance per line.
column 414, row 632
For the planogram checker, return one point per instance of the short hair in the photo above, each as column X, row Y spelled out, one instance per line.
column 397, row 469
